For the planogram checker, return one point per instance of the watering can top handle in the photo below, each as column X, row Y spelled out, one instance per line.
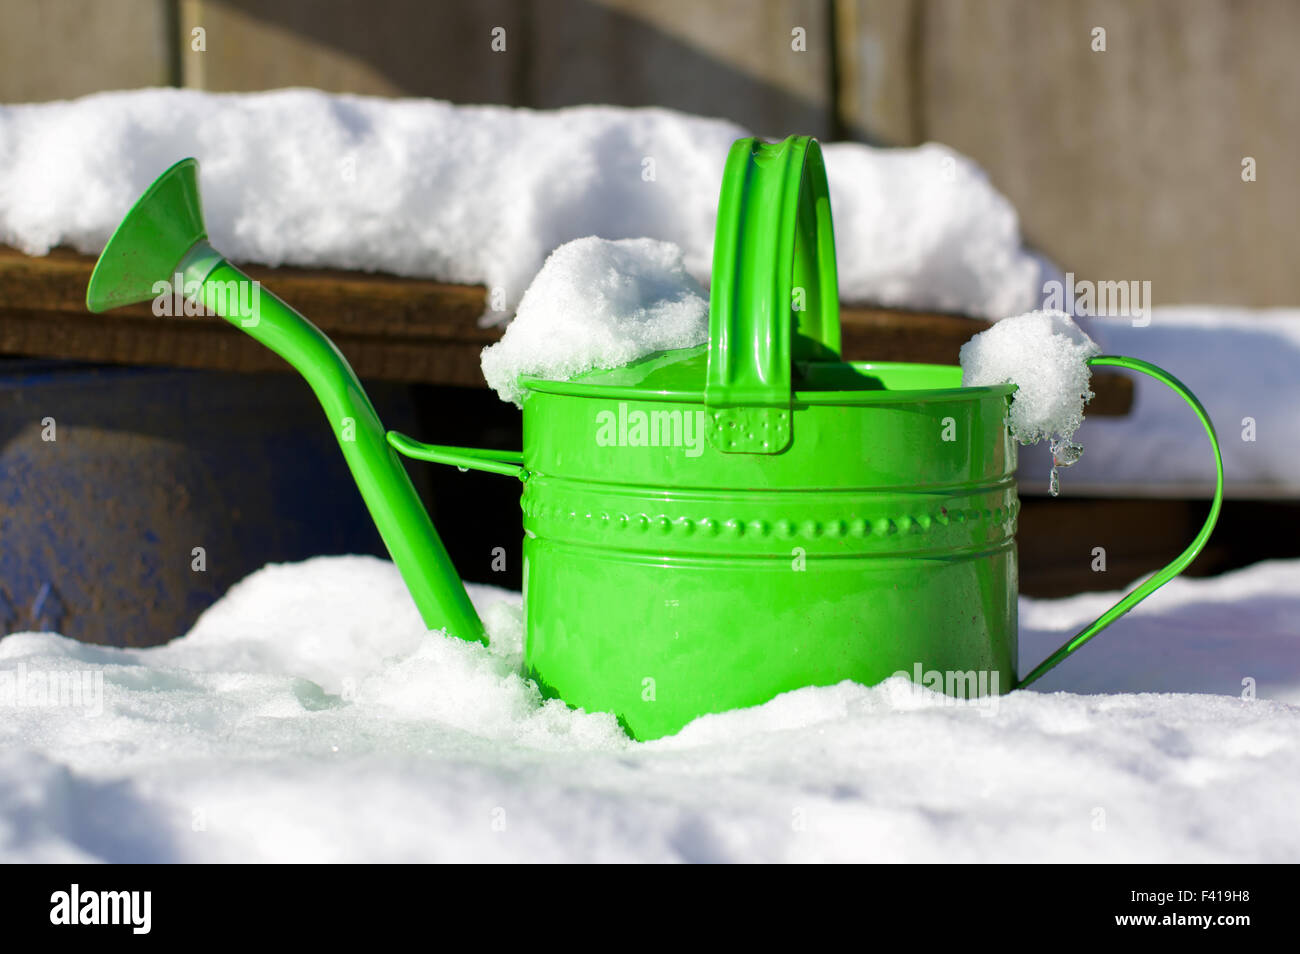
column 1180, row 562
column 775, row 292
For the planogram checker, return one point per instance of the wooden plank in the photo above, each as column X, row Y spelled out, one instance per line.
column 1058, row 537
column 878, row 88
column 51, row 51
column 390, row 328
column 731, row 58
column 1127, row 163
column 337, row 301
column 215, row 345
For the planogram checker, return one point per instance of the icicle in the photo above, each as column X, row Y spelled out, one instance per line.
column 1065, row 453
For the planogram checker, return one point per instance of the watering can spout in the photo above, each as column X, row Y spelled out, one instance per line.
column 162, row 243
column 162, row 226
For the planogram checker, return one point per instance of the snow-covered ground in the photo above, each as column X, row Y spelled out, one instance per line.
column 308, row 717
column 482, row 194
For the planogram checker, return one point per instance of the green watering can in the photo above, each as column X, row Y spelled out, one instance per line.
column 709, row 527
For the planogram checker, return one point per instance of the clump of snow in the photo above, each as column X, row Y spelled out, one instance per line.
column 1045, row 355
column 482, row 194
column 598, row 304
column 308, row 716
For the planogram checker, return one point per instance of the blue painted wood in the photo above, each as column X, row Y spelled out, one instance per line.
column 132, row 498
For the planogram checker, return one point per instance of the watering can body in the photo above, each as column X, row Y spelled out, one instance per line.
column 665, row 578
column 705, row 528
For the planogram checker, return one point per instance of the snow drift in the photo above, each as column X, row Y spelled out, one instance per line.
column 482, row 194
column 309, row 717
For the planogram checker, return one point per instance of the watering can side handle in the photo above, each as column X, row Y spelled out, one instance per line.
column 1180, row 562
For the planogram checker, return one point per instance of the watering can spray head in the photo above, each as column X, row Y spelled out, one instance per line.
column 162, row 242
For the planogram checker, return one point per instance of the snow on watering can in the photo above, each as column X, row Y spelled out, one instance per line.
column 709, row 527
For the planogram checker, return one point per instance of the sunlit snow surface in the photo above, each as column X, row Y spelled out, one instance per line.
column 482, row 194
column 308, row 716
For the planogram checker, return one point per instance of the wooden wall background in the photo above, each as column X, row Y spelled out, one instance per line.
column 1124, row 164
